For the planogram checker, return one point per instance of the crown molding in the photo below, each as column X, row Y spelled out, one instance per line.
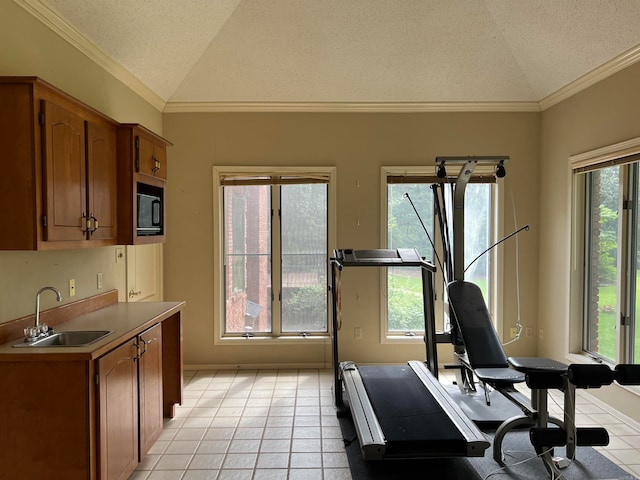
column 605, row 70
column 354, row 107
column 49, row 17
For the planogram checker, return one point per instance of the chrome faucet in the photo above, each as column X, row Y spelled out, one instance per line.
column 58, row 298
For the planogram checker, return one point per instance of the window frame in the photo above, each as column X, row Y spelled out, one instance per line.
column 496, row 228
column 627, row 155
column 220, row 173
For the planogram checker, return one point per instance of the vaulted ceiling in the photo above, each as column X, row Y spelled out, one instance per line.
column 199, row 54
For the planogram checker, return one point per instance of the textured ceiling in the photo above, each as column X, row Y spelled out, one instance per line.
column 376, row 51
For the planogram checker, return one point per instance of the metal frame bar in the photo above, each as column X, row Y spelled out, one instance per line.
column 476, row 441
column 372, row 440
column 468, row 165
column 407, row 258
column 368, row 429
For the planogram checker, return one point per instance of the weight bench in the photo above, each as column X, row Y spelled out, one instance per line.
column 485, row 358
column 483, row 354
column 544, row 439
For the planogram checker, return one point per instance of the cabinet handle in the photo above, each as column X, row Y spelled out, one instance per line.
column 86, row 221
column 133, row 293
column 144, row 350
column 95, row 223
column 156, row 164
column 146, row 344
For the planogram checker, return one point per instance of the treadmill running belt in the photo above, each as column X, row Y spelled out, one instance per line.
column 410, row 417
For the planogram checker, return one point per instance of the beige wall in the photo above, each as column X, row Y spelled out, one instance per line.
column 358, row 145
column 29, row 48
column 602, row 115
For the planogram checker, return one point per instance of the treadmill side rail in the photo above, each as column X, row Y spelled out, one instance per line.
column 476, row 441
column 372, row 441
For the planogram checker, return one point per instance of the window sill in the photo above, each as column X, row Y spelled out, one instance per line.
column 264, row 340
column 585, row 359
column 402, row 339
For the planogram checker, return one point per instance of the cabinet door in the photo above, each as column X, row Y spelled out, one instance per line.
column 144, row 273
column 102, row 181
column 118, row 412
column 150, row 387
column 64, row 174
column 152, row 158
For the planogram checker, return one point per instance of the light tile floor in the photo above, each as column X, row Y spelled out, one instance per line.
column 281, row 425
column 251, row 425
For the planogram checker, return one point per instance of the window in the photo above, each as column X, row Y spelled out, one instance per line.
column 600, row 261
column 248, row 259
column 304, row 256
column 274, row 235
column 239, row 222
column 606, row 233
column 404, row 230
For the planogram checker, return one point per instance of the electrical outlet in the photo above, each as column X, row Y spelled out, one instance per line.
column 99, row 280
column 513, row 332
column 357, row 333
column 119, row 255
column 528, row 332
column 72, row 287
column 540, row 334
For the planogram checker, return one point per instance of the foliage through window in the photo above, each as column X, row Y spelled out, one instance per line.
column 404, row 230
column 611, row 298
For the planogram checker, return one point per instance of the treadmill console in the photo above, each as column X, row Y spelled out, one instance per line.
column 379, row 258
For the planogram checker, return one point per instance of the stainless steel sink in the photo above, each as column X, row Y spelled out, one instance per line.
column 76, row 338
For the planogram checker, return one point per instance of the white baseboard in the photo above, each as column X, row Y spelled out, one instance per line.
column 258, row 366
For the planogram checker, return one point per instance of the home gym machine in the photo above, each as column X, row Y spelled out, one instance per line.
column 452, row 191
column 480, row 354
column 399, row 411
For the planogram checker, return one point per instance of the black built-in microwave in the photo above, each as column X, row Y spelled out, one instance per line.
column 150, row 217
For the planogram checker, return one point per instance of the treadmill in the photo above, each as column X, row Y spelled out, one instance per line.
column 400, row 411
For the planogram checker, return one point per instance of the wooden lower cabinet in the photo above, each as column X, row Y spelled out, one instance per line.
column 129, row 403
column 118, row 412
column 47, row 410
column 150, row 388
column 88, row 419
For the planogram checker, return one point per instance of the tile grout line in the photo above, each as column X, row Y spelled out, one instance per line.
column 280, row 380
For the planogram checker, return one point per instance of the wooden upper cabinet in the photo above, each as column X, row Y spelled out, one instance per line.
column 58, row 162
column 102, row 181
column 152, row 156
column 21, row 178
column 142, row 168
column 64, row 211
column 142, row 153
